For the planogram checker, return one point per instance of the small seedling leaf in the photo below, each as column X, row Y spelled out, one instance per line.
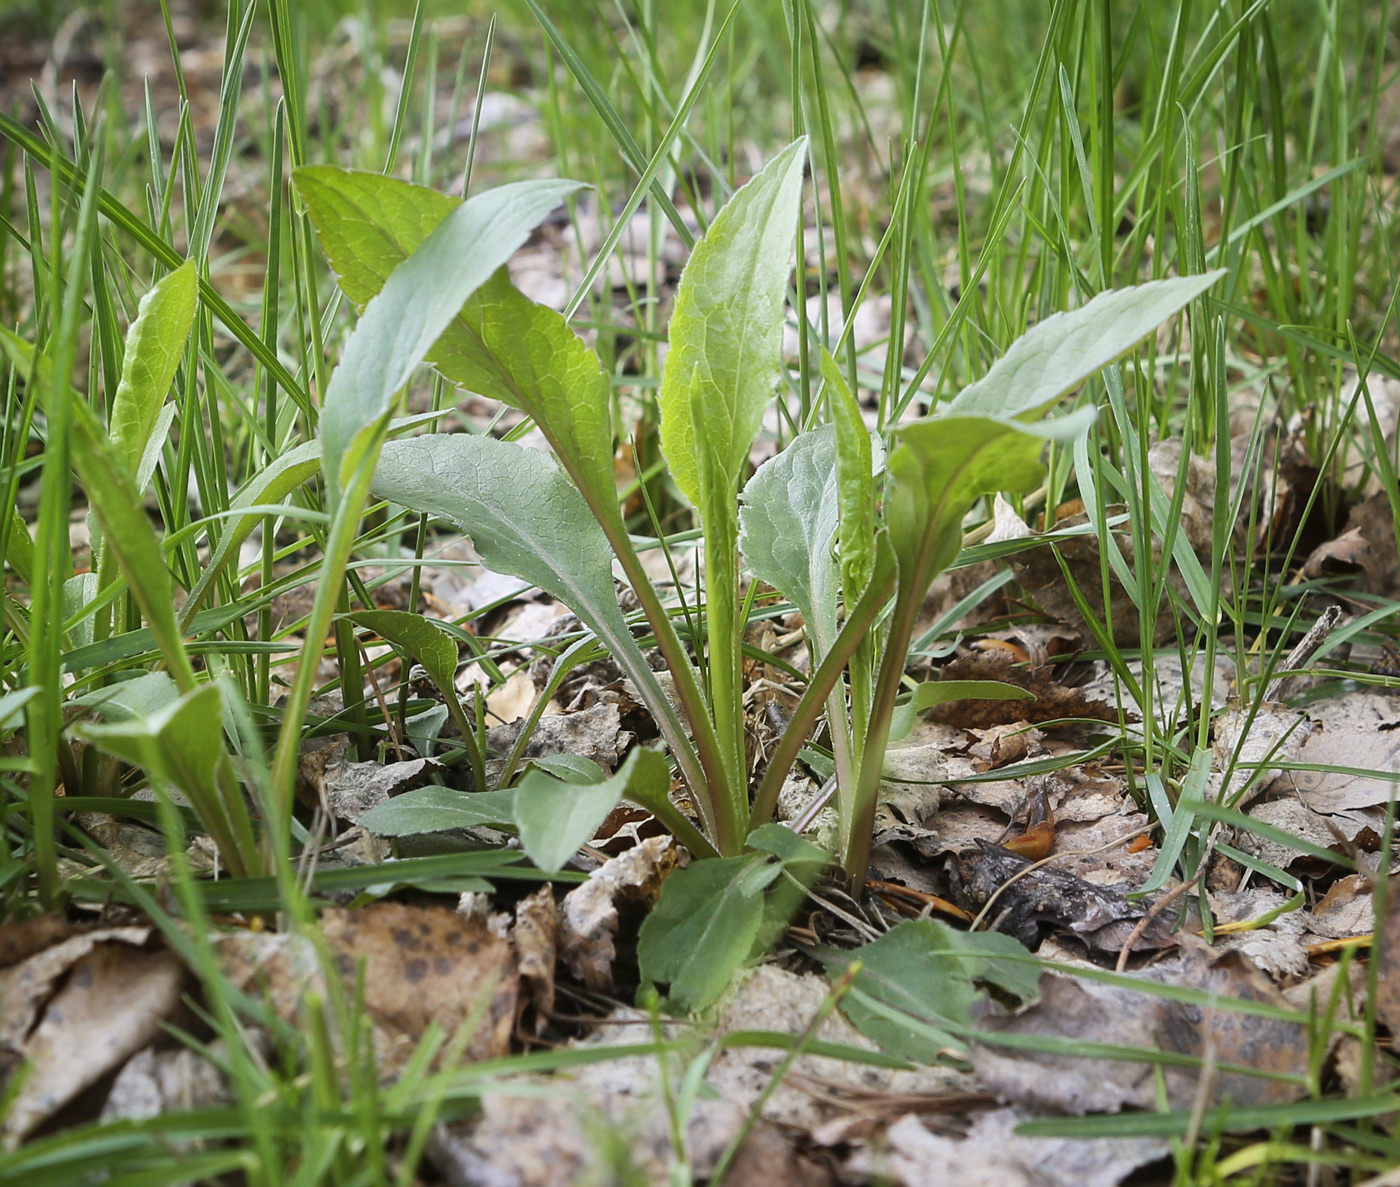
column 555, row 818
column 154, row 345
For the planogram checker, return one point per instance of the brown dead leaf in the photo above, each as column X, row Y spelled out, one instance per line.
column 112, row 1004
column 590, row 916
column 22, row 938
column 536, row 941
column 425, row 964
column 1245, row 1040
column 1358, row 729
column 1139, row 1020
column 1053, row 700
column 1364, row 552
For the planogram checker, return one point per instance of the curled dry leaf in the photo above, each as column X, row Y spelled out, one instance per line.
column 536, row 941
column 590, row 916
column 22, row 938
column 112, row 1003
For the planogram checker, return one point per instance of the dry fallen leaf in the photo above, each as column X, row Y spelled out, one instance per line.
column 536, row 942
column 992, row 1154
column 112, row 1003
column 590, row 918
column 422, row 965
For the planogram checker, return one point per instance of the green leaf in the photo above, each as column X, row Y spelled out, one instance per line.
column 788, row 518
column 704, row 926
column 527, row 520
column 787, row 846
column 930, row 693
column 19, row 548
column 423, row 641
column 572, row 768
column 140, row 697
column 180, row 745
column 929, row 971
column 726, row 332
column 500, row 345
column 155, row 344
column 1059, row 353
column 941, row 467
column 127, row 529
column 436, row 809
column 420, row 298
column 555, row 818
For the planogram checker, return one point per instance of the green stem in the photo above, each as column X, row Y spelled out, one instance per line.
column 724, row 634
column 853, row 633
column 345, row 524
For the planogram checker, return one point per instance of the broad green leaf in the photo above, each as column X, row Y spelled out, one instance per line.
column 1061, row 352
column 788, row 518
column 78, row 596
column 155, row 344
column 527, row 520
column 703, row 927
column 423, row 641
column 927, row 970
column 945, row 464
column 789, row 514
column 437, row 809
column 929, row 693
column 856, row 461
column 418, row 301
column 726, row 332
column 142, row 696
column 368, row 224
column 12, row 706
column 554, row 818
column 500, row 344
column 525, row 517
column 787, row 846
column 128, row 532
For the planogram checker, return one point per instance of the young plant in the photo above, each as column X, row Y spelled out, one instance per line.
column 559, row 526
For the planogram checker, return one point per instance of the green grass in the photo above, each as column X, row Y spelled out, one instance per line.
column 983, row 165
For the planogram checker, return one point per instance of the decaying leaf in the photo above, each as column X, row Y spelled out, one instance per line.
column 1053, row 700
column 536, row 942
column 1078, row 1010
column 1354, row 729
column 590, row 916
column 423, row 965
column 22, row 938
column 350, row 789
column 115, row 996
column 1026, row 900
column 992, row 1154
column 163, row 1081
